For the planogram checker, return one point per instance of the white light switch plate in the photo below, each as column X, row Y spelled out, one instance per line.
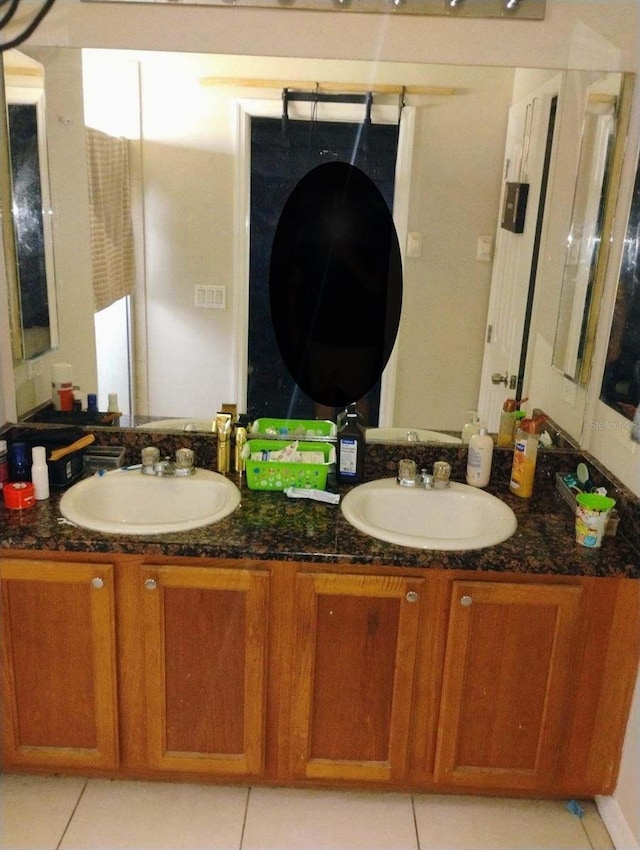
column 211, row 297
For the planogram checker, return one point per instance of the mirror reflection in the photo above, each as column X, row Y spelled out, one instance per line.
column 34, row 315
column 621, row 380
column 583, row 240
column 176, row 346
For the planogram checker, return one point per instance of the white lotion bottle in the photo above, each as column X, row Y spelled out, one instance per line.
column 479, row 459
column 40, row 472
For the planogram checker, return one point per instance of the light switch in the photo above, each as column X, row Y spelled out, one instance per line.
column 484, row 250
column 211, row 297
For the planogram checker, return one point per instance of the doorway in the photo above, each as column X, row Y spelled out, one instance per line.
column 345, row 121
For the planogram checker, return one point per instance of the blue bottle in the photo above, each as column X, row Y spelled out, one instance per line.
column 19, row 464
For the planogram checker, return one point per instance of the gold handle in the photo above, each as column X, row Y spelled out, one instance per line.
column 73, row 447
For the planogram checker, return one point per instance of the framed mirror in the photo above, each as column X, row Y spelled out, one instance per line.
column 186, row 119
column 34, row 314
column 573, row 346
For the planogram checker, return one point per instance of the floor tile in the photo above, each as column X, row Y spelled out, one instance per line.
column 484, row 823
column 595, row 829
column 122, row 815
column 300, row 819
column 35, row 810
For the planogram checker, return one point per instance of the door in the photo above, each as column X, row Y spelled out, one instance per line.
column 509, row 659
column 58, row 661
column 353, row 676
column 528, row 153
column 205, row 636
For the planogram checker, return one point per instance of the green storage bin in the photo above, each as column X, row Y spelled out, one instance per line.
column 278, row 475
column 294, row 429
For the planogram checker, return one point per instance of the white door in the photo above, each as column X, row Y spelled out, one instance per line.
column 513, row 277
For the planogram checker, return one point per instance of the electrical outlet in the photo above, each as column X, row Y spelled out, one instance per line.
column 34, row 369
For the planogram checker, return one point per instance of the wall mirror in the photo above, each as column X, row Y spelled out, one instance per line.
column 30, row 242
column 621, row 380
column 573, row 343
column 187, row 119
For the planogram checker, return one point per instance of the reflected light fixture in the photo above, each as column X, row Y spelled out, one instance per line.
column 8, row 11
column 453, row 4
column 511, row 5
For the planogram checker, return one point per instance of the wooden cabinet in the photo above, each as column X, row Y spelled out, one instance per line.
column 355, row 642
column 205, row 648
column 58, row 662
column 510, row 656
column 284, row 672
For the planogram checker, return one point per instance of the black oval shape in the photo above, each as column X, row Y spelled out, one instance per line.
column 335, row 284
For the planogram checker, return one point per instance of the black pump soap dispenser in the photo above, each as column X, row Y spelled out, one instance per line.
column 350, row 448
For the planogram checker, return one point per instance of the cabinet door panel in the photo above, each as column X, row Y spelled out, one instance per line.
column 59, row 663
column 205, row 647
column 507, row 671
column 354, row 676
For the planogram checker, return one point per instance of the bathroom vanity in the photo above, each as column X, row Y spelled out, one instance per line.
column 280, row 645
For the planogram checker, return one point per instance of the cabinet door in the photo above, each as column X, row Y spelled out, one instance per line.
column 58, row 661
column 205, row 652
column 354, row 663
column 508, row 666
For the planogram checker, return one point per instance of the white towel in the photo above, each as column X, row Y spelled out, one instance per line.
column 112, row 254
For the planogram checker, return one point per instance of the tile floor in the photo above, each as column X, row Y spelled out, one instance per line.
column 46, row 813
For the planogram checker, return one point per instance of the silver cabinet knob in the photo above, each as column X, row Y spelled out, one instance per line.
column 150, row 584
column 466, row 601
column 411, row 596
column 97, row 583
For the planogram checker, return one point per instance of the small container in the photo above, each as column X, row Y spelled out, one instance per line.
column 471, row 428
column 62, row 386
column 40, row 472
column 19, row 466
column 113, row 403
column 592, row 515
column 4, row 464
column 350, row 449
column 92, row 403
column 18, row 496
column 479, row 459
column 506, row 430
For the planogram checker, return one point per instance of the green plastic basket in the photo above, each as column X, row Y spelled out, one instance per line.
column 276, row 475
column 294, row 429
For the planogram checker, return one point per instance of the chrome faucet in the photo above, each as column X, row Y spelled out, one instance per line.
column 436, row 480
column 152, row 465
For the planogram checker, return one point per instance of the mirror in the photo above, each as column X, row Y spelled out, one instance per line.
column 572, row 348
column 187, row 119
column 621, row 379
column 34, row 326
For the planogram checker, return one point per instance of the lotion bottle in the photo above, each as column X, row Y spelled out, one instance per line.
column 479, row 459
column 524, row 459
column 40, row 472
column 506, row 429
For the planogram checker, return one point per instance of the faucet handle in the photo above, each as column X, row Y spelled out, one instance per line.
column 441, row 473
column 184, row 464
column 150, row 455
column 407, row 473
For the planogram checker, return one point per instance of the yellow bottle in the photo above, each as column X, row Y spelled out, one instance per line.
column 524, row 459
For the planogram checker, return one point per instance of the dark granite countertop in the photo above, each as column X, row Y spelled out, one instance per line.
column 272, row 526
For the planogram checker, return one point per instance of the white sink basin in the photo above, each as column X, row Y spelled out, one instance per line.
column 179, row 425
column 131, row 503
column 458, row 517
column 409, row 435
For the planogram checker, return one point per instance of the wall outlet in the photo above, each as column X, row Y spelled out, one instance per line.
column 34, row 369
